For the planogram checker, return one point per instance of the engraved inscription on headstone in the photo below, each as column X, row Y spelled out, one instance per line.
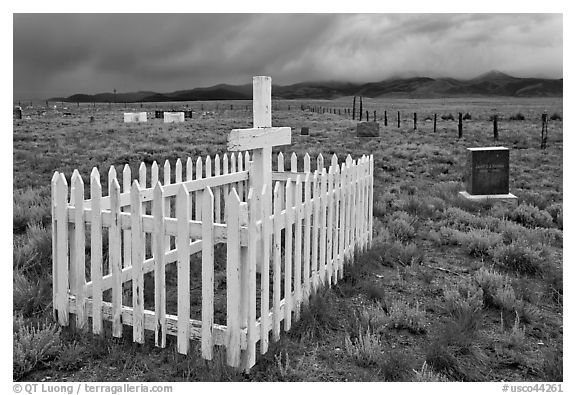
column 487, row 171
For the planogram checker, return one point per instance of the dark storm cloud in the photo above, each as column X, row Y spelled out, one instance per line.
column 62, row 54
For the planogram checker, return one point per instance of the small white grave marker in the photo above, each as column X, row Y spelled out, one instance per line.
column 171, row 117
column 135, row 117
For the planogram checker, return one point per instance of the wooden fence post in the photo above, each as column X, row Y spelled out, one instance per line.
column 495, row 127
column 544, row 136
column 415, row 121
column 459, row 125
column 398, row 119
column 360, row 108
column 385, row 118
column 435, row 123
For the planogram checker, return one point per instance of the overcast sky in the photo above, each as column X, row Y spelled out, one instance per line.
column 63, row 54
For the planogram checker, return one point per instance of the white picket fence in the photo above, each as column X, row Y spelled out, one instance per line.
column 282, row 253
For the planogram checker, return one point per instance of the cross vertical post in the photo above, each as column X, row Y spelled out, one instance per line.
column 260, row 139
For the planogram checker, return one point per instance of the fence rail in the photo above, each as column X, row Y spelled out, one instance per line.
column 278, row 253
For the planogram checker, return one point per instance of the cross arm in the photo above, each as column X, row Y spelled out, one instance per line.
column 249, row 139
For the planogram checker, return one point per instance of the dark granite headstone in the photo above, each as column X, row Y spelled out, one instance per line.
column 368, row 129
column 487, row 171
column 304, row 131
column 18, row 113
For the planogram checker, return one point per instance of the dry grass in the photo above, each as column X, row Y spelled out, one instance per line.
column 421, row 226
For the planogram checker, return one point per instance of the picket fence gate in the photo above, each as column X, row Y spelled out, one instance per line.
column 317, row 220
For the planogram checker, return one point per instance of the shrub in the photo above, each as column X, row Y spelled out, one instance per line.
column 396, row 366
column 517, row 257
column 517, row 117
column 71, row 357
column 448, row 117
column 441, row 358
column 497, row 289
column 478, row 242
column 531, row 216
column 421, row 206
column 467, row 116
column 30, row 207
column 30, row 298
column 401, row 230
column 404, row 254
column 464, row 300
column 425, row 374
column 555, row 210
column 33, row 345
column 403, row 316
column 318, row 318
column 366, row 349
column 555, row 117
column 375, row 293
column 372, row 316
column 34, row 253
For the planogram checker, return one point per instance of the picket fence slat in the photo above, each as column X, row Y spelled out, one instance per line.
column 298, row 248
column 289, row 219
column 307, row 225
column 315, row 230
column 183, row 269
column 207, row 274
column 138, row 245
column 329, row 224
column 126, row 234
column 217, row 191
column 55, row 268
column 233, row 280
column 254, row 206
column 265, row 271
column 323, row 240
column 78, row 289
column 114, row 256
column 96, row 251
column 167, row 203
column 276, row 273
column 159, row 251
column 62, row 249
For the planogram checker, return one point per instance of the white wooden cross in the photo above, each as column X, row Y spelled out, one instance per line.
column 261, row 138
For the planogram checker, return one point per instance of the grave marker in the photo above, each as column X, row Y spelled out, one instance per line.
column 130, row 117
column 304, row 131
column 173, row 117
column 261, row 138
column 368, row 129
column 487, row 174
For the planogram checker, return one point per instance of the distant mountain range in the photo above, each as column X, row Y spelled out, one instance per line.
column 493, row 83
